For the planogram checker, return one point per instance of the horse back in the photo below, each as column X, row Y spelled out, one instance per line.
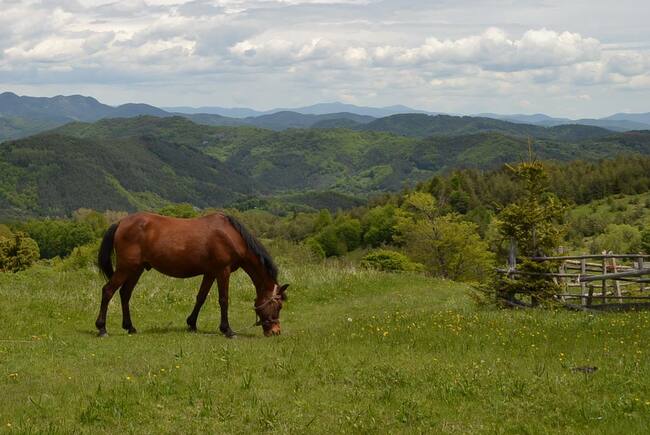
column 178, row 247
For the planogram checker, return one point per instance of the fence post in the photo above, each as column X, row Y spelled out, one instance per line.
column 583, row 285
column 604, row 285
column 563, row 281
column 640, row 266
column 617, row 284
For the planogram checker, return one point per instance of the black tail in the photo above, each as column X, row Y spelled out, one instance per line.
column 105, row 252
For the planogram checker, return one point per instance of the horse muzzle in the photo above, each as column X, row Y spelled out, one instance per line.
column 273, row 330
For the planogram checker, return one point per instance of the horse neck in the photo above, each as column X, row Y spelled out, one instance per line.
column 264, row 283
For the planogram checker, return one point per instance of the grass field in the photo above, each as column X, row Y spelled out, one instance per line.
column 361, row 352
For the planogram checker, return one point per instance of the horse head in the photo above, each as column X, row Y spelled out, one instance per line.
column 268, row 311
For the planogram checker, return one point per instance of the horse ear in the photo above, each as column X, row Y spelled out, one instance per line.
column 283, row 289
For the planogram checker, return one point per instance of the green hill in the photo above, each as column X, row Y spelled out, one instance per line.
column 143, row 162
column 421, row 125
column 53, row 174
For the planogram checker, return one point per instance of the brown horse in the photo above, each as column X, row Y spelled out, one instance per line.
column 213, row 246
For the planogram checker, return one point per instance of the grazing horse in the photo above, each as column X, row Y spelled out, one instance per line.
column 213, row 246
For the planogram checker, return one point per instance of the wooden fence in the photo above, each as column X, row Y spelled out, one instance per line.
column 604, row 281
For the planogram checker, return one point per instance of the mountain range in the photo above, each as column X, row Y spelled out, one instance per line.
column 21, row 116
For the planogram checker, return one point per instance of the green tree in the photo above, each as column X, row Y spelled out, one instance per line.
column 329, row 241
column 324, row 219
column 58, row 237
column 18, row 252
column 533, row 221
column 448, row 246
column 378, row 225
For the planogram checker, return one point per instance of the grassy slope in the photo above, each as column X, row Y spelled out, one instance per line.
column 360, row 352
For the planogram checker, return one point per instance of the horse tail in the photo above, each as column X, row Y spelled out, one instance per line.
column 105, row 252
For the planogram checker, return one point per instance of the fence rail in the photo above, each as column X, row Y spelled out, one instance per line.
column 620, row 283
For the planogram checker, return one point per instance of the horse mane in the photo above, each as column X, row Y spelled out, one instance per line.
column 255, row 246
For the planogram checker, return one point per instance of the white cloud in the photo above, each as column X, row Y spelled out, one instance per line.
column 437, row 55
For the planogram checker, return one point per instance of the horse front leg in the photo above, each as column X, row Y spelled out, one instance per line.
column 206, row 284
column 223, row 280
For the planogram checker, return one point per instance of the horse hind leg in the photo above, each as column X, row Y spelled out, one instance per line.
column 125, row 296
column 116, row 281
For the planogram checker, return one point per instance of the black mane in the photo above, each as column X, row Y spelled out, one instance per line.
column 256, row 246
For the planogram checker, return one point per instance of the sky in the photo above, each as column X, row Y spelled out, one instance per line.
column 578, row 58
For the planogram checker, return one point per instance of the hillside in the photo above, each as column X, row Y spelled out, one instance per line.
column 421, row 125
column 53, row 174
column 142, row 162
column 17, row 127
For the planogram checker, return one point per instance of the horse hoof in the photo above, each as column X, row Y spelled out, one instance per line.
column 132, row 331
column 230, row 334
column 102, row 334
column 191, row 328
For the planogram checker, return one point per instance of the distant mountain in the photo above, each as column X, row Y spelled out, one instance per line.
column 284, row 120
column 375, row 112
column 60, row 108
column 23, row 116
column 232, row 112
column 618, row 122
column 281, row 120
column 420, row 125
column 643, row 118
column 316, row 109
column 130, row 110
column 536, row 119
column 615, row 125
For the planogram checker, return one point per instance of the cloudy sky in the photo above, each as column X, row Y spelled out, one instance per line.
column 578, row 58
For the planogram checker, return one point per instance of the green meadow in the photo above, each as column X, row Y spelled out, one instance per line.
column 360, row 352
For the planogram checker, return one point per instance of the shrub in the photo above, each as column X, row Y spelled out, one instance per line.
column 183, row 210
column 315, row 248
column 5, row 232
column 97, row 221
column 619, row 239
column 390, row 261
column 82, row 257
column 58, row 237
column 17, row 253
